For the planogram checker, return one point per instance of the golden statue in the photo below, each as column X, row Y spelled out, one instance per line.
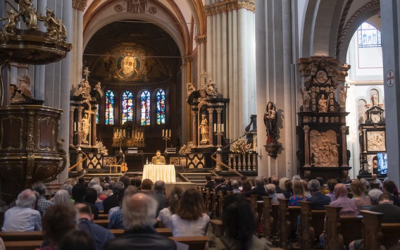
column 10, row 27
column 28, row 13
column 204, row 130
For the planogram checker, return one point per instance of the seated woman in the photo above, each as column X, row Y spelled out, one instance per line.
column 362, row 200
column 190, row 218
column 239, row 225
column 298, row 194
column 164, row 217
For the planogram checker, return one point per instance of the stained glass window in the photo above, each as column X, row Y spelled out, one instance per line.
column 145, row 108
column 98, row 114
column 127, row 106
column 160, row 95
column 109, row 107
column 368, row 36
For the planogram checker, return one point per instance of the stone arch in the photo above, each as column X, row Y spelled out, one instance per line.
column 367, row 11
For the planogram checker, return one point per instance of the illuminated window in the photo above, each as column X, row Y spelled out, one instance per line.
column 109, row 107
column 145, row 108
column 368, row 36
column 98, row 114
column 127, row 106
column 160, row 107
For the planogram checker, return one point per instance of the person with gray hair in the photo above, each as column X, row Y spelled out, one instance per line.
column 271, row 190
column 159, row 195
column 139, row 213
column 23, row 217
column 235, row 186
column 374, row 196
column 259, row 189
column 61, row 197
column 42, row 203
column 99, row 191
column 317, row 199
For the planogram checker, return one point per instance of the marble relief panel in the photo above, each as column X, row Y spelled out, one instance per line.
column 376, row 141
column 324, row 149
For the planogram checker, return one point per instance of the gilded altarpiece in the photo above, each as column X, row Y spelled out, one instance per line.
column 322, row 130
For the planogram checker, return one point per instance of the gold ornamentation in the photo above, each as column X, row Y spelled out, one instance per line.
column 79, row 4
column 30, row 144
column 229, row 5
column 56, row 31
column 28, row 14
column 10, row 27
column 11, row 118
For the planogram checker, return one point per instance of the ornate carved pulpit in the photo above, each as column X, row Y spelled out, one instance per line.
column 30, row 149
column 322, row 130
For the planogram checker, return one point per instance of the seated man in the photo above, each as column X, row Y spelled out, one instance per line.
column 317, row 199
column 23, row 217
column 139, row 213
column 99, row 234
column 259, row 189
column 349, row 207
column 158, row 159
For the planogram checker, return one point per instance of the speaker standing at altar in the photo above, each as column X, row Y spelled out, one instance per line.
column 158, row 159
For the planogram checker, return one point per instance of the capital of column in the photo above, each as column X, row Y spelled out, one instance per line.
column 229, row 5
column 189, row 58
column 306, row 128
column 201, row 39
column 79, row 4
column 343, row 129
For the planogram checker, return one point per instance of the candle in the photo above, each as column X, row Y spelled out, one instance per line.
column 169, row 133
column 163, row 133
column 124, row 133
column 215, row 127
column 74, row 126
column 223, row 130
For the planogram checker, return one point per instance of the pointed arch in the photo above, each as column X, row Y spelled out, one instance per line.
column 127, row 107
column 160, row 102
column 145, row 108
column 110, row 107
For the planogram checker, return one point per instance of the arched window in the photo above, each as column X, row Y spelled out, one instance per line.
column 145, row 108
column 109, row 107
column 368, row 36
column 160, row 95
column 97, row 114
column 127, row 106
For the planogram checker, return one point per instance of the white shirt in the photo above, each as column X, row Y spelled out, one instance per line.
column 112, row 210
column 21, row 219
column 181, row 228
column 165, row 217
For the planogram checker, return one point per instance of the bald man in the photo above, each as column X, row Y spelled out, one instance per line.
column 349, row 207
column 139, row 217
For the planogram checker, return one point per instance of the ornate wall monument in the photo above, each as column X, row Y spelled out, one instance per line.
column 322, row 130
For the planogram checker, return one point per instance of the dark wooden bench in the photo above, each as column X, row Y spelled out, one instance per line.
column 103, row 216
column 102, row 222
column 38, row 235
column 377, row 235
column 340, row 230
column 287, row 221
column 195, row 243
column 311, row 225
column 217, row 228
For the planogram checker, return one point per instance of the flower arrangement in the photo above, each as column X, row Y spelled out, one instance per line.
column 241, row 146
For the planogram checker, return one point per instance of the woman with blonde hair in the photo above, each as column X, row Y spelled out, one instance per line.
column 299, row 194
column 358, row 189
column 190, row 218
column 164, row 217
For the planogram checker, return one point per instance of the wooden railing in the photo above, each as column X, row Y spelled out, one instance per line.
column 243, row 162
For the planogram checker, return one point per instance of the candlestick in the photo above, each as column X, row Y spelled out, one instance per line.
column 223, row 129
column 124, row 133
column 169, row 133
column 215, row 127
column 163, row 133
column 219, row 127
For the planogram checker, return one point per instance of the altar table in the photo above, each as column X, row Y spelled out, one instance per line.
column 155, row 173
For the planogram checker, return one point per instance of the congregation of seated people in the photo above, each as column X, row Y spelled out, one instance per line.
column 68, row 217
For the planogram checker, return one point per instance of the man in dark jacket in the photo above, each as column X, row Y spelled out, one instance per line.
column 139, row 213
column 317, row 199
column 114, row 199
column 258, row 189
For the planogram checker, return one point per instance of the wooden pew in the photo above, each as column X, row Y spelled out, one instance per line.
column 22, row 245
column 267, row 216
column 377, row 235
column 195, row 242
column 103, row 216
column 102, row 222
column 217, row 228
column 38, row 235
column 311, row 223
column 340, row 230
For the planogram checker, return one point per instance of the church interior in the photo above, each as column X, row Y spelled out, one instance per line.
column 226, row 88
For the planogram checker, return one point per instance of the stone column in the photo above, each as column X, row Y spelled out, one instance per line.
column 71, row 125
column 93, row 136
column 79, row 127
column 344, row 146
column 219, row 122
column 194, row 127
column 276, row 82
column 306, row 129
column 390, row 23
column 210, row 126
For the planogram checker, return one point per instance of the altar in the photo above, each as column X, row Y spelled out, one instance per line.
column 155, row 173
